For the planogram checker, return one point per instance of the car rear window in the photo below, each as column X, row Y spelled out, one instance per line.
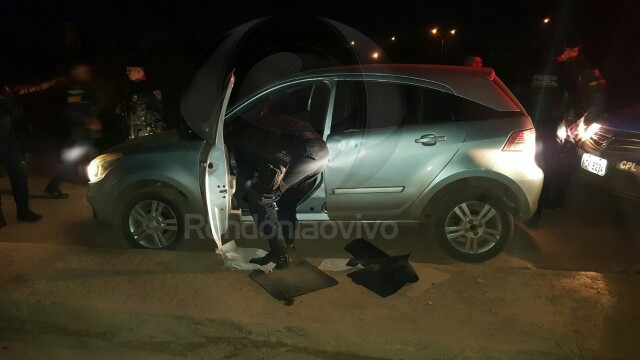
column 509, row 94
column 468, row 110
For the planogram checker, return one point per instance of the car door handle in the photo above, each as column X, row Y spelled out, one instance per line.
column 430, row 139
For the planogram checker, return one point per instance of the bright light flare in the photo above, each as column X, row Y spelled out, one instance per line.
column 562, row 132
column 434, row 31
column 375, row 55
column 546, row 20
column 393, row 38
column 452, row 32
column 353, row 43
column 100, row 166
column 587, row 132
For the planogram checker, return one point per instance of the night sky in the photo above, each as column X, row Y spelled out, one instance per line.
column 40, row 37
column 30, row 25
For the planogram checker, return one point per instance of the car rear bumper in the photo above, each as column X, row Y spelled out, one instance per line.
column 525, row 179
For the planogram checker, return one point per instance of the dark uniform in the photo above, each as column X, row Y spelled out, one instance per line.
column 13, row 160
column 561, row 94
column 81, row 108
column 276, row 156
column 141, row 109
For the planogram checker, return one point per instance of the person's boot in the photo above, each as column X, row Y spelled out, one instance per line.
column 289, row 244
column 280, row 258
column 25, row 214
column 277, row 255
column 55, row 192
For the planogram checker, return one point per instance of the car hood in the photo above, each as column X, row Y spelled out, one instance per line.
column 257, row 53
column 625, row 119
column 152, row 143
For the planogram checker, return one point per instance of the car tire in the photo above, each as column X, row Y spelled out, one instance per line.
column 153, row 218
column 472, row 225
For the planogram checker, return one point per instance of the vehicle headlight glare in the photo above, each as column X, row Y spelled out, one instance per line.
column 100, row 166
column 591, row 130
column 587, row 132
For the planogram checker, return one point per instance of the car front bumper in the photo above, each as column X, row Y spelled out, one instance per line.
column 622, row 175
column 100, row 197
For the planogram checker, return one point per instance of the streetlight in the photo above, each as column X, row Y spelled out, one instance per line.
column 393, row 38
column 546, row 20
column 353, row 43
column 436, row 31
column 375, row 55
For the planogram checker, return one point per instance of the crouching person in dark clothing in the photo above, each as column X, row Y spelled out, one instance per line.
column 276, row 156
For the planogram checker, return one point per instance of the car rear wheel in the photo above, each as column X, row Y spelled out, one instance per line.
column 472, row 225
column 153, row 219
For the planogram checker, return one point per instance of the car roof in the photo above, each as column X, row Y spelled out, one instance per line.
column 421, row 71
column 477, row 84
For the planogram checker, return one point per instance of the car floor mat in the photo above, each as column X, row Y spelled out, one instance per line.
column 383, row 274
column 375, row 282
column 362, row 249
column 298, row 279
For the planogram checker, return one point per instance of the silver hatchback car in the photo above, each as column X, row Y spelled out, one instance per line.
column 444, row 144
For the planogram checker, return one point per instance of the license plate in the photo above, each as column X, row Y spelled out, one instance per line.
column 594, row 164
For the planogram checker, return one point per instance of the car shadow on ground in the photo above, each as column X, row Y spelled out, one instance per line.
column 327, row 240
column 593, row 231
column 90, row 233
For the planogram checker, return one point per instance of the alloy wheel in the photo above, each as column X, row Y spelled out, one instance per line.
column 473, row 227
column 153, row 224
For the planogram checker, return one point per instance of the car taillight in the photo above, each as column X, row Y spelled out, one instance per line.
column 523, row 140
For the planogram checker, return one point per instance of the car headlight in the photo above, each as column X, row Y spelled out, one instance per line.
column 586, row 132
column 100, row 166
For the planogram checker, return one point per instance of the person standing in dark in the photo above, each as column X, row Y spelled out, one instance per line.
column 81, row 115
column 141, row 104
column 276, row 156
column 473, row 61
column 12, row 158
column 566, row 91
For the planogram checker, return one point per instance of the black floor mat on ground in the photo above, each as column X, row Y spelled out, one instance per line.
column 298, row 279
column 382, row 274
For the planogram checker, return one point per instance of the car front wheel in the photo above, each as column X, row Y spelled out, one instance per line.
column 153, row 219
column 472, row 225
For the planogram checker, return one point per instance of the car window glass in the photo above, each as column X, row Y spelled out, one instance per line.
column 432, row 106
column 404, row 105
column 389, row 105
column 307, row 102
column 348, row 107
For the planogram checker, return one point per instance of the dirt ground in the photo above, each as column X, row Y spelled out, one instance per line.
column 70, row 289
